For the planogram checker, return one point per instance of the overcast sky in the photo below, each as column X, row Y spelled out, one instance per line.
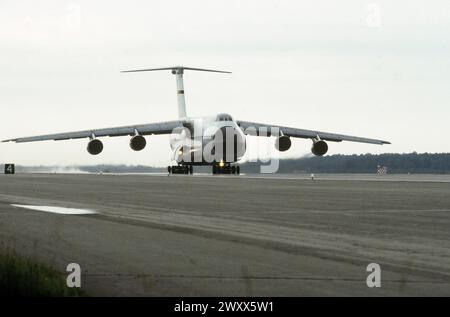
column 377, row 69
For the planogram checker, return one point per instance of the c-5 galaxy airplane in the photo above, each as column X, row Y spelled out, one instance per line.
column 218, row 141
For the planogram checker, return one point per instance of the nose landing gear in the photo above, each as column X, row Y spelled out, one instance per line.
column 217, row 168
column 225, row 168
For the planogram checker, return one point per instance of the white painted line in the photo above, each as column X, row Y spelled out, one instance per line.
column 58, row 210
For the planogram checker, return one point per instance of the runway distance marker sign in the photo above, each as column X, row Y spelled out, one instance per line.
column 10, row 169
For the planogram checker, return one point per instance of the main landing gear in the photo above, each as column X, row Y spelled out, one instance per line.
column 180, row 169
column 225, row 168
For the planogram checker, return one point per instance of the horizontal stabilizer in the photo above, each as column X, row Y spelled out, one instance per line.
column 175, row 69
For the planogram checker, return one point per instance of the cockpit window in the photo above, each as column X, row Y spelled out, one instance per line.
column 224, row 117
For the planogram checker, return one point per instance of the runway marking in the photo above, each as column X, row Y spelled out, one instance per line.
column 227, row 277
column 319, row 177
column 57, row 210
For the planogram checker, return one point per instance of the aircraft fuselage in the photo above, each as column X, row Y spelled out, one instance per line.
column 208, row 140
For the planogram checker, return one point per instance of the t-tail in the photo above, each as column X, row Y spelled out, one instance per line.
column 178, row 71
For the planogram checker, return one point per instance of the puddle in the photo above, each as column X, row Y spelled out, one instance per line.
column 58, row 210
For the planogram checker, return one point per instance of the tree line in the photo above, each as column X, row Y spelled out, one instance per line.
column 430, row 163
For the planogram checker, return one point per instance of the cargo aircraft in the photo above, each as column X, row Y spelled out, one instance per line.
column 218, row 141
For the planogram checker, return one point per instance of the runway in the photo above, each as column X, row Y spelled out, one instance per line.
column 154, row 235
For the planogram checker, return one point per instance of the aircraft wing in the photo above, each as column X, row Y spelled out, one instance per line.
column 305, row 134
column 142, row 129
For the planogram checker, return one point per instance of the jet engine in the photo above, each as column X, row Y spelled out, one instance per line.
column 319, row 147
column 95, row 146
column 283, row 143
column 137, row 143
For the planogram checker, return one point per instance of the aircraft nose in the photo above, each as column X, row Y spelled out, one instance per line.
column 229, row 143
column 225, row 134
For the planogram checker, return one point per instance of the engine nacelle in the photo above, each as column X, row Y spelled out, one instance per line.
column 138, row 143
column 319, row 147
column 283, row 143
column 95, row 147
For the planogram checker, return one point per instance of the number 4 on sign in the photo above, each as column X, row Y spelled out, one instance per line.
column 9, row 169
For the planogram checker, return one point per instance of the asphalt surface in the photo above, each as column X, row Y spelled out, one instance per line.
column 234, row 236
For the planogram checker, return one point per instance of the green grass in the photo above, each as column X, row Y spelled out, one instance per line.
column 21, row 276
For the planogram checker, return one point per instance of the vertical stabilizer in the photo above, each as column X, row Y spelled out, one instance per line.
column 178, row 71
column 180, row 93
